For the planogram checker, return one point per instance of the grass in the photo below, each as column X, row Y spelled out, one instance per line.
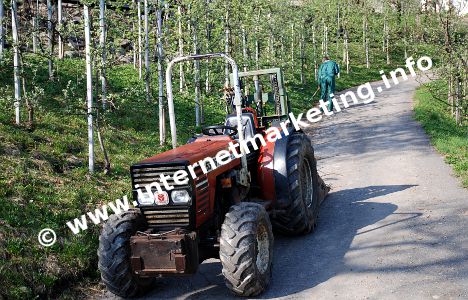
column 43, row 172
column 447, row 137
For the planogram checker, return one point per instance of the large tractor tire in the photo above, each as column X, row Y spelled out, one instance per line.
column 246, row 249
column 301, row 215
column 114, row 254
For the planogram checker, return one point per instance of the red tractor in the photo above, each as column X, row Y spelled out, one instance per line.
column 193, row 206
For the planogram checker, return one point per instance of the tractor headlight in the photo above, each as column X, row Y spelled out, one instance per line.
column 145, row 198
column 181, row 197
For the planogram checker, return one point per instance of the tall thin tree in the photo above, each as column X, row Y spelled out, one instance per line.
column 2, row 34
column 227, row 49
column 366, row 39
column 36, row 40
column 102, row 44
column 16, row 58
column 181, row 48
column 147, row 54
column 314, row 50
column 140, row 59
column 162, row 114
column 196, row 65
column 50, row 38
column 60, row 29
column 89, row 87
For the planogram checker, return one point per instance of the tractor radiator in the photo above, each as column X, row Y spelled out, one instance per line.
column 161, row 216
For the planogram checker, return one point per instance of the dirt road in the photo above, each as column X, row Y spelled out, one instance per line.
column 395, row 225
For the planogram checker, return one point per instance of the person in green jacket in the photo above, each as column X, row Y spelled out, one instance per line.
column 326, row 80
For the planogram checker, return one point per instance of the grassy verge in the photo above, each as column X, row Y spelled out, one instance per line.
column 448, row 138
column 43, row 173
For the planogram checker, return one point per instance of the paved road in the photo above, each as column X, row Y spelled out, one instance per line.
column 395, row 225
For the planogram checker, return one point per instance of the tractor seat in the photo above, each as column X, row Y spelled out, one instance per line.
column 247, row 122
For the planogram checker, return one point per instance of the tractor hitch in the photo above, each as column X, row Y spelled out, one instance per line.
column 158, row 254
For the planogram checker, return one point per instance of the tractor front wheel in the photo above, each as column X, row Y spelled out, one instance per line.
column 114, row 254
column 246, row 249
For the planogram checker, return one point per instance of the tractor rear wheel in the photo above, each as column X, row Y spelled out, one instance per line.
column 246, row 249
column 302, row 212
column 114, row 254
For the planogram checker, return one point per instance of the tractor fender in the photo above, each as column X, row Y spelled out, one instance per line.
column 280, row 171
column 272, row 171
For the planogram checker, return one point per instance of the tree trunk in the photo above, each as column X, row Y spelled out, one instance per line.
column 366, row 41
column 292, row 48
column 324, row 38
column 36, row 40
column 384, row 33
column 16, row 58
column 134, row 45
column 346, row 54
column 147, row 59
column 102, row 44
column 387, row 46
column 89, row 88
column 107, row 165
column 450, row 89
column 301, row 49
column 245, row 56
column 271, row 48
column 209, row 25
column 60, row 29
column 457, row 99
column 338, row 31
column 244, row 48
column 226, row 48
column 162, row 114
column 314, row 49
column 405, row 28
column 50, row 37
column 140, row 58
column 28, row 103
column 2, row 34
column 196, row 65
column 181, row 50
column 257, row 41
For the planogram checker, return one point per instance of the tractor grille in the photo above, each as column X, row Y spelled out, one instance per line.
column 147, row 175
column 167, row 215
column 173, row 216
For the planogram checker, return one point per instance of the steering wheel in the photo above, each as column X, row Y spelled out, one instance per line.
column 219, row 130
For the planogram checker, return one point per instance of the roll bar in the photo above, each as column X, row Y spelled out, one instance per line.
column 237, row 93
column 170, row 97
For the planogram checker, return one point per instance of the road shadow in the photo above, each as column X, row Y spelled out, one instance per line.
column 304, row 262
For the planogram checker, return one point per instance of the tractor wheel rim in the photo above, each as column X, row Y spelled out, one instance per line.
column 263, row 249
column 307, row 183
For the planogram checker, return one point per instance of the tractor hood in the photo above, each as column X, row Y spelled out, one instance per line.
column 201, row 148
